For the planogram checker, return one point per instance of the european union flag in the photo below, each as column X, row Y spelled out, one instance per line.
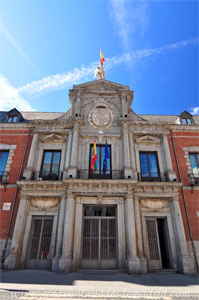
column 106, row 156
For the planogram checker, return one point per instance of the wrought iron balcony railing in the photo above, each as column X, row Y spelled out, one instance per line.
column 41, row 175
column 153, row 177
column 112, row 174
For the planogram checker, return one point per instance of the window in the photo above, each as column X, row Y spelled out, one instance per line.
column 98, row 166
column 12, row 119
column 186, row 121
column 50, row 165
column 149, row 166
column 194, row 158
column 3, row 160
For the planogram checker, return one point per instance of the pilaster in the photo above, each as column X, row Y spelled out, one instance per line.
column 170, row 171
column 31, row 158
column 67, row 156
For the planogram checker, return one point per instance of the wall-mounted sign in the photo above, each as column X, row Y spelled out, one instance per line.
column 6, row 206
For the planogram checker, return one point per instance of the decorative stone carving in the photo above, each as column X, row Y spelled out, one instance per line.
column 147, row 139
column 155, row 204
column 100, row 72
column 101, row 116
column 44, row 203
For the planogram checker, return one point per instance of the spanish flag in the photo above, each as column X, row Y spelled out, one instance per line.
column 102, row 59
column 94, row 157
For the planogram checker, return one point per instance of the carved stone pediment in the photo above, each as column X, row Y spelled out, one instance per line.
column 44, row 203
column 155, row 204
column 147, row 139
column 53, row 138
column 101, row 116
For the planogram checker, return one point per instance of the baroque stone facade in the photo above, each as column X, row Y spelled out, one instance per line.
column 126, row 217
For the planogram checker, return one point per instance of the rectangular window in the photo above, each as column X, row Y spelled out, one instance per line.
column 98, row 166
column 194, row 158
column 3, row 160
column 149, row 166
column 50, row 165
column 186, row 121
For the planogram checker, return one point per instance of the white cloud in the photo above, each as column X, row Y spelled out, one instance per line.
column 63, row 80
column 10, row 97
column 195, row 110
column 4, row 31
column 131, row 19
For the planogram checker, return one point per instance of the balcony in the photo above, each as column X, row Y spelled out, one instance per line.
column 47, row 176
column 114, row 174
column 153, row 177
column 3, row 177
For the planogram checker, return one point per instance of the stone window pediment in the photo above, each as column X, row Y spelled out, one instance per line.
column 147, row 139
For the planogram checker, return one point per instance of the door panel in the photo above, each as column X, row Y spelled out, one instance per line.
column 153, row 241
column 99, row 243
column 40, row 242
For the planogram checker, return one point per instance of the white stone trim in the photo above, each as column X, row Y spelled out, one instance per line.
column 187, row 151
column 11, row 149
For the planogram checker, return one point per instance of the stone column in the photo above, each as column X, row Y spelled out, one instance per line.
column 31, row 158
column 68, row 154
column 170, row 171
column 132, row 155
column 185, row 261
column 60, row 229
column 77, row 104
column 132, row 259
column 139, row 237
column 124, row 105
column 12, row 261
column 67, row 247
column 73, row 165
column 126, row 153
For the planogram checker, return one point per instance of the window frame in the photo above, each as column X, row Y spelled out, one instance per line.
column 100, row 175
column 50, row 175
column 186, row 121
column 150, row 178
column 197, row 160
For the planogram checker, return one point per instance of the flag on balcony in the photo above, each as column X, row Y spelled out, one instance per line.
column 102, row 59
column 106, row 156
column 94, row 157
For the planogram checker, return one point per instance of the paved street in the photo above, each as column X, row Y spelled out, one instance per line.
column 40, row 284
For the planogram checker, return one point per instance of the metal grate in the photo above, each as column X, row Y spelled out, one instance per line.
column 91, row 239
column 152, row 238
column 108, row 239
column 41, row 237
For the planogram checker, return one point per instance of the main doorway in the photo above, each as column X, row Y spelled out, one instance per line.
column 158, row 243
column 40, row 240
column 99, row 246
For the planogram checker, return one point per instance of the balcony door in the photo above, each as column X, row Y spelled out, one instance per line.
column 50, row 165
column 98, row 166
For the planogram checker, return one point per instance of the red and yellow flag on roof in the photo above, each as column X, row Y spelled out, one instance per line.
column 102, row 59
column 94, row 157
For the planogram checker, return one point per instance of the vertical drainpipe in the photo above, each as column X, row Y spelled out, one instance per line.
column 184, row 202
column 15, row 198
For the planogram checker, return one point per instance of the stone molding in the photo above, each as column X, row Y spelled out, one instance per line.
column 147, row 139
column 44, row 203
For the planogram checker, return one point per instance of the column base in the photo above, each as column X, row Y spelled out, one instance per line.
column 128, row 174
column 64, row 265
column 27, row 174
column 72, row 173
column 143, row 266
column 134, row 265
column 187, row 266
column 171, row 175
column 10, row 262
column 55, row 264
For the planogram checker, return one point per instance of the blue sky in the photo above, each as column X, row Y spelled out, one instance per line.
column 49, row 45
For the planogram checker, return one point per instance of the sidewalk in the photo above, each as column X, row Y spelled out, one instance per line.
column 93, row 282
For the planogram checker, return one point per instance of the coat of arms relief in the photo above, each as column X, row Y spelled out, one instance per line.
column 101, row 116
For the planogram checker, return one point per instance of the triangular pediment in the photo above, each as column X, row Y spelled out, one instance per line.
column 101, row 83
column 53, row 137
column 14, row 111
column 185, row 114
column 147, row 139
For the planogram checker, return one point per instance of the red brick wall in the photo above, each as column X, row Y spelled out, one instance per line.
column 18, row 138
column 186, row 139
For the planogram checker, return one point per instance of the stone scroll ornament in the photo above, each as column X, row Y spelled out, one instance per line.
column 101, row 116
column 155, row 205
